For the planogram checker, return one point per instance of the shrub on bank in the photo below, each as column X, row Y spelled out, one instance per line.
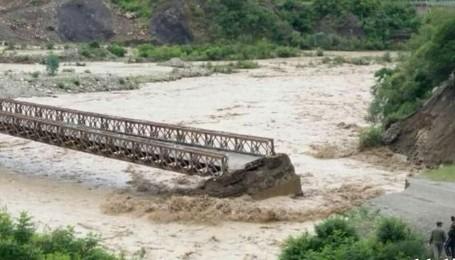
column 94, row 51
column 117, row 50
column 216, row 52
column 52, row 64
column 20, row 241
column 371, row 137
column 338, row 238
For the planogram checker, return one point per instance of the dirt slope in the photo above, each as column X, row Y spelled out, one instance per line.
column 428, row 136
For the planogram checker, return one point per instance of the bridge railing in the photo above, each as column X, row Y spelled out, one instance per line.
column 131, row 149
column 166, row 132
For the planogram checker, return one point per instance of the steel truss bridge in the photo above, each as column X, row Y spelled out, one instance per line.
column 166, row 146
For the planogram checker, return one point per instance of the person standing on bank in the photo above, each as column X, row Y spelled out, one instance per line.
column 450, row 244
column 437, row 240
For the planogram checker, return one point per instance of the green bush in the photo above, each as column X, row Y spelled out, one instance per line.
column 50, row 45
column 142, row 8
column 336, row 239
column 286, row 52
column 52, row 64
column 335, row 229
column 117, row 50
column 246, row 20
column 329, row 235
column 392, row 230
column 371, row 137
column 216, row 52
column 20, row 241
column 94, row 51
column 159, row 53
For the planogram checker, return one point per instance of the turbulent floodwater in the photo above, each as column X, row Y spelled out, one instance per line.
column 312, row 111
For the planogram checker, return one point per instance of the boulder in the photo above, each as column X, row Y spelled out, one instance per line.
column 261, row 179
column 84, row 20
column 169, row 23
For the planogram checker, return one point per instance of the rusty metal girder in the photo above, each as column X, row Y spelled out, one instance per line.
column 165, row 132
column 127, row 148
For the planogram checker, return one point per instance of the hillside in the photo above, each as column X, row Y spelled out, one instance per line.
column 415, row 100
column 428, row 135
column 327, row 24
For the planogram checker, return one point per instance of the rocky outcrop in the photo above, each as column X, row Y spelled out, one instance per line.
column 169, row 24
column 84, row 20
column 38, row 21
column 264, row 178
column 428, row 136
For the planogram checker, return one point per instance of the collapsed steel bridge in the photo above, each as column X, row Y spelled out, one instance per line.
column 166, row 146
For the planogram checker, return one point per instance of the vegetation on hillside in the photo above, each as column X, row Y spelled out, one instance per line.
column 329, row 24
column 357, row 237
column 20, row 241
column 142, row 8
column 400, row 91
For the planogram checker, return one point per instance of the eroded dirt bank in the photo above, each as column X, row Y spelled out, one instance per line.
column 314, row 112
column 427, row 136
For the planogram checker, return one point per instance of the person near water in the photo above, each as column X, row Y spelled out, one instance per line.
column 450, row 244
column 437, row 240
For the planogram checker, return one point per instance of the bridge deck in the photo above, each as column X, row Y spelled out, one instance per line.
column 218, row 140
column 176, row 148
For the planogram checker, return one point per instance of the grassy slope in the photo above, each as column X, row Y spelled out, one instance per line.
column 445, row 174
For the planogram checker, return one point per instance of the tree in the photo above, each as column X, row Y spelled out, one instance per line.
column 52, row 64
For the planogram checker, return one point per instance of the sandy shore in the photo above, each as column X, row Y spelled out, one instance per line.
column 312, row 110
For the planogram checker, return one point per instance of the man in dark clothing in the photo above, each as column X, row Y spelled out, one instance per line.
column 437, row 240
column 450, row 244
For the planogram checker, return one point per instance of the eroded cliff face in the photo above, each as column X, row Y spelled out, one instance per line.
column 84, row 20
column 428, row 136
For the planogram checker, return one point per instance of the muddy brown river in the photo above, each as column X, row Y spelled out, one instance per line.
column 314, row 112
